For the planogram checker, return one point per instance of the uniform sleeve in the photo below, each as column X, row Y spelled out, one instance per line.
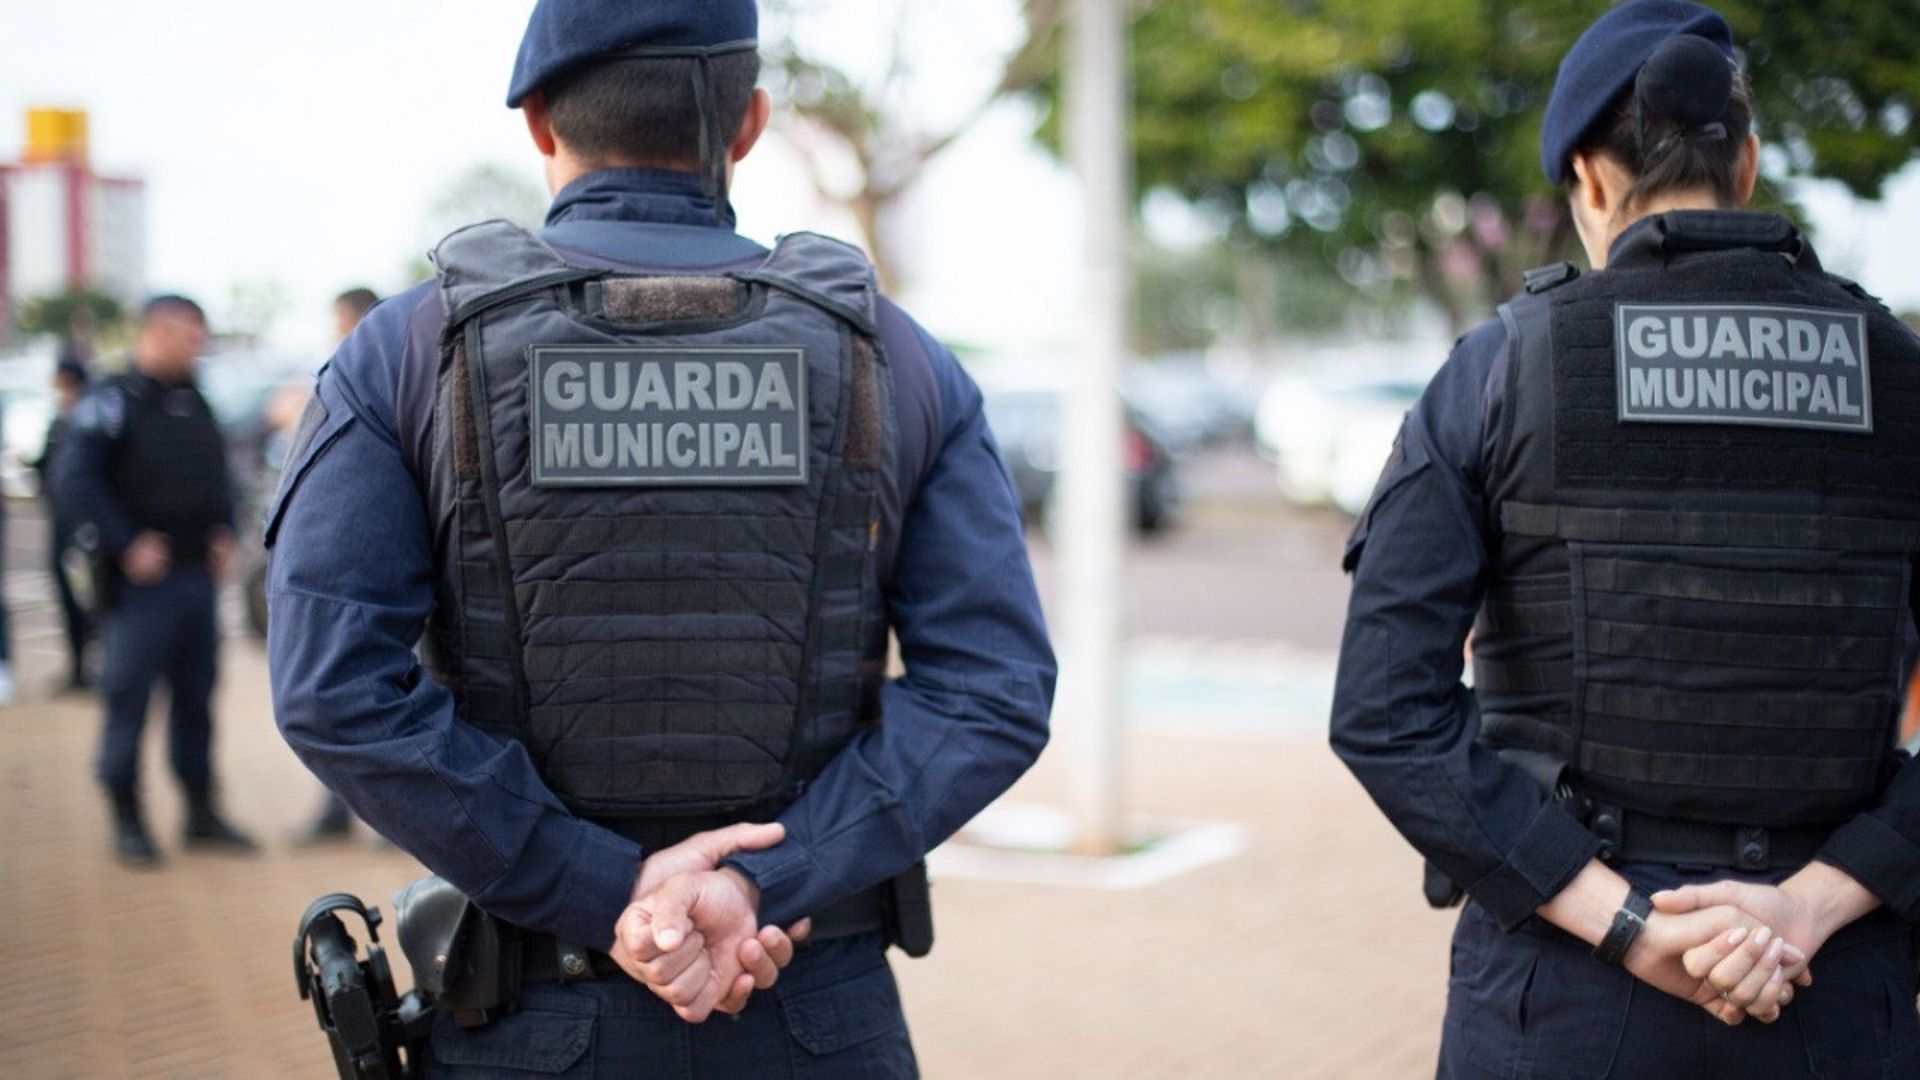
column 1881, row 847
column 80, row 469
column 351, row 587
column 1402, row 721
column 970, row 714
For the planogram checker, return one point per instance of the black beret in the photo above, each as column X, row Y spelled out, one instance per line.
column 563, row 34
column 1605, row 61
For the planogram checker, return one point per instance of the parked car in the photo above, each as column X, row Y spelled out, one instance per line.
column 1330, row 432
column 1026, row 419
column 1185, row 405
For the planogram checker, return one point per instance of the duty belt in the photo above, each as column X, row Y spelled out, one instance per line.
column 1627, row 836
column 545, row 958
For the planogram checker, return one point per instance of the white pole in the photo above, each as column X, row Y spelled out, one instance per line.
column 1091, row 515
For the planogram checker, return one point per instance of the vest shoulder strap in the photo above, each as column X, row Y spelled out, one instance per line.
column 829, row 274
column 485, row 265
column 1542, row 278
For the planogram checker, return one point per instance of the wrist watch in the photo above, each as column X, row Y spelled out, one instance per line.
column 1627, row 924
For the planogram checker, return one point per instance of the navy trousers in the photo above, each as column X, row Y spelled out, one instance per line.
column 1535, row 1003
column 166, row 631
column 834, row 1015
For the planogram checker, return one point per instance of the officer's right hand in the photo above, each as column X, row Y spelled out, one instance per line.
column 703, row 851
column 695, row 942
column 147, row 560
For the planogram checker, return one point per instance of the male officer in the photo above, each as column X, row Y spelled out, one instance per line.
column 146, row 465
column 656, row 495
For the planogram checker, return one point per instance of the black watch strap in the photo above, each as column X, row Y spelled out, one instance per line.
column 1627, row 924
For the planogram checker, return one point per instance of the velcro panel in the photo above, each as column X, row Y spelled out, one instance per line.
column 670, row 299
column 466, row 441
column 1594, row 450
column 865, row 425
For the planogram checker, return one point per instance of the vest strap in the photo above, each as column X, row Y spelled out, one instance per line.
column 1709, row 529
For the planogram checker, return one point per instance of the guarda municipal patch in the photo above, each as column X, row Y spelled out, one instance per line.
column 1743, row 364
column 618, row 416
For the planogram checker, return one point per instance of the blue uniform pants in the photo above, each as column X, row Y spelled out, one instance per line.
column 834, row 1015
column 1535, row 1003
column 153, row 632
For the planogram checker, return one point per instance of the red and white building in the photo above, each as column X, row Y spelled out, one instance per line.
column 63, row 226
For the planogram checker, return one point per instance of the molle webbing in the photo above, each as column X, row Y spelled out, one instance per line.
column 1764, row 530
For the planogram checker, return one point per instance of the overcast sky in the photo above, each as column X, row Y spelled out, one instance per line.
column 304, row 143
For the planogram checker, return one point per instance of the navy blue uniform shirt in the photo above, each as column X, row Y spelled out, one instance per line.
column 352, row 579
column 1402, row 721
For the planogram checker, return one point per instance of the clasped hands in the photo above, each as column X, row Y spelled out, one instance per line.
column 1739, row 949
column 691, row 933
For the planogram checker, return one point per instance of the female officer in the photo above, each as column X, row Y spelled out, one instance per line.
column 1677, row 500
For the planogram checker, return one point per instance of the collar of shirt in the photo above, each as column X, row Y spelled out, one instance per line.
column 659, row 196
column 644, row 218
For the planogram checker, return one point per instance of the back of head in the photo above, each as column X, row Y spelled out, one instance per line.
column 645, row 111
column 1653, row 85
column 664, row 83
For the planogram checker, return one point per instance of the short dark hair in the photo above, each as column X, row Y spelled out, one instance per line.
column 1673, row 157
column 172, row 304
column 643, row 111
column 359, row 298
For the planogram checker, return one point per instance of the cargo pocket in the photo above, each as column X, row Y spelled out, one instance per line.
column 1573, row 1013
column 522, row 1044
column 1858, row 1019
column 850, row 1030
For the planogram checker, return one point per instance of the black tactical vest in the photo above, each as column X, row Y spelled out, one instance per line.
column 1708, row 499
column 657, row 512
column 169, row 467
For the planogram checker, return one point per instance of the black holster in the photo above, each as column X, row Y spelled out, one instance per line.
column 465, row 960
column 907, row 900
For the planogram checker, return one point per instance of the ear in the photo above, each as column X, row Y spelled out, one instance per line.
column 1591, row 189
column 752, row 126
column 539, row 124
column 1747, row 172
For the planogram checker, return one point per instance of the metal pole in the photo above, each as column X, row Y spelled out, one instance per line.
column 1091, row 522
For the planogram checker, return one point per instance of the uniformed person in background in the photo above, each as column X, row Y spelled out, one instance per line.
column 63, row 539
column 656, row 495
column 146, row 466
column 1677, row 500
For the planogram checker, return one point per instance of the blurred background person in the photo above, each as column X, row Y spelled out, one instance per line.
column 335, row 821
column 64, row 525
column 145, row 464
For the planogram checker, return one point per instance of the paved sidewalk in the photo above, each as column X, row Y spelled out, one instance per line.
column 1310, row 956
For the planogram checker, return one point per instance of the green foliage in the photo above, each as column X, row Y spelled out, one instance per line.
column 1396, row 140
column 54, row 314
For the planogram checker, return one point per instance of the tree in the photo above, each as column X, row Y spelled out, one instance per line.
column 1397, row 141
column 55, row 314
column 479, row 192
column 854, row 112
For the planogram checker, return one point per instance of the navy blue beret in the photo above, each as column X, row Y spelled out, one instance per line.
column 1603, row 63
column 563, row 34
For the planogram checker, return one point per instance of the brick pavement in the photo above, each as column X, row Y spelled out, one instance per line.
column 1308, row 957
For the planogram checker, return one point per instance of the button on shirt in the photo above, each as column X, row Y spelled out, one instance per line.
column 1408, row 728
column 352, row 583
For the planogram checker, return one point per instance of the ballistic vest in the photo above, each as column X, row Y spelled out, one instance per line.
column 169, row 466
column 657, row 510
column 1708, row 508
